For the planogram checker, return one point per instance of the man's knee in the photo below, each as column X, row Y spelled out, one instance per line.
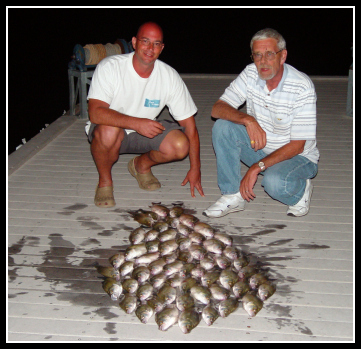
column 176, row 145
column 108, row 136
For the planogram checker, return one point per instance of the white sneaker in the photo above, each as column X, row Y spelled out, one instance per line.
column 224, row 205
column 302, row 207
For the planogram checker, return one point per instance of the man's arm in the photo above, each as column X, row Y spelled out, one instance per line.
column 222, row 110
column 194, row 173
column 101, row 114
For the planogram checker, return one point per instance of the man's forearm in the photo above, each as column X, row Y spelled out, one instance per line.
column 222, row 110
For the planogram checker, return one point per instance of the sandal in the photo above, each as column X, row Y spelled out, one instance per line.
column 146, row 181
column 104, row 197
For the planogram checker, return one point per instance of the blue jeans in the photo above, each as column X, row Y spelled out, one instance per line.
column 285, row 181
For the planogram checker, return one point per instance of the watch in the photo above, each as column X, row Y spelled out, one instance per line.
column 261, row 166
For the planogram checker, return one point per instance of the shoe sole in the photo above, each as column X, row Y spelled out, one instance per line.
column 224, row 214
column 303, row 214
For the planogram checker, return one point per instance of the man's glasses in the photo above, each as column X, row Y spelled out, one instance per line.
column 268, row 55
column 146, row 42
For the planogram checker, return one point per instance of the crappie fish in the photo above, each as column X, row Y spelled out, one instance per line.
column 198, row 272
column 141, row 274
column 240, row 288
column 117, row 260
column 167, row 294
column 184, row 301
column 186, row 269
column 266, row 290
column 167, row 317
column 155, row 303
column 201, row 294
column 126, row 268
column 130, row 285
column 210, row 277
column 176, row 211
column 147, row 258
column 171, row 257
column 222, row 261
column 226, row 239
column 247, row 271
column 174, row 281
column 172, row 268
column 251, row 304
column 241, row 262
column 219, row 293
column 188, row 320
column 113, row 288
column 137, row 235
column 128, row 303
column 160, row 226
column 143, row 219
column 151, row 214
column 157, row 266
column 160, row 210
column 144, row 291
column 187, row 284
column 205, row 229
column 183, row 229
column 169, row 234
column 185, row 256
column 196, row 238
column 152, row 246
column 209, row 314
column 151, row 235
column 197, row 251
column 135, row 251
column 109, row 272
column 167, row 247
column 214, row 246
column 207, row 263
column 257, row 279
column 228, row 278
column 188, row 220
column 183, row 243
column 172, row 222
column 158, row 280
column 231, row 252
column 228, row 306
column 144, row 312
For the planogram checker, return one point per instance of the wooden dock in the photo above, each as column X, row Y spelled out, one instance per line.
column 56, row 235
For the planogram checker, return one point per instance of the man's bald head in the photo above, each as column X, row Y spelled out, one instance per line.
column 150, row 27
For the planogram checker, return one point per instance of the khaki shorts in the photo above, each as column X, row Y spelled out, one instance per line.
column 135, row 143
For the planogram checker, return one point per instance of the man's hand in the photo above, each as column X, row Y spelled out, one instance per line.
column 148, row 128
column 248, row 182
column 194, row 179
column 256, row 134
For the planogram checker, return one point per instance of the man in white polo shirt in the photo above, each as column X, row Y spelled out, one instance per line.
column 126, row 95
column 275, row 138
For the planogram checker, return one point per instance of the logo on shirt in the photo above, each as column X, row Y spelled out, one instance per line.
column 152, row 103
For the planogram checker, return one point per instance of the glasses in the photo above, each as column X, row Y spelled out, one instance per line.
column 268, row 55
column 146, row 42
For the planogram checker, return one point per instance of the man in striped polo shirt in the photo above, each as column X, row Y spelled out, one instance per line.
column 275, row 138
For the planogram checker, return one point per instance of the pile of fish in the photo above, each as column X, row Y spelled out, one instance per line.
column 182, row 271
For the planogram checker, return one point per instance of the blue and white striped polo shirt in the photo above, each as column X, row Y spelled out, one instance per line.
column 286, row 113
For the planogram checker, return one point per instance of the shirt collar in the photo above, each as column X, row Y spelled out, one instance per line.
column 279, row 88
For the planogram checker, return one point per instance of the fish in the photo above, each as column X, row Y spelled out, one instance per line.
column 203, row 228
column 183, row 229
column 210, row 277
column 226, row 239
column 188, row 220
column 198, row 272
column 143, row 219
column 158, row 280
column 187, row 284
column 108, row 272
column 167, row 317
column 167, row 294
column 144, row 291
column 128, row 303
column 157, row 266
column 231, row 252
column 240, row 288
column 135, row 251
column 130, row 285
column 196, row 238
column 197, row 251
column 257, row 279
column 176, row 211
column 228, row 306
column 113, row 288
column 184, row 243
column 160, row 210
column 186, row 269
column 147, row 258
column 185, row 256
column 137, row 235
column 141, row 274
column 247, row 271
column 241, row 262
column 251, row 304
column 219, row 293
column 172, row 268
column 207, row 263
column 152, row 246
column 266, row 290
column 160, row 226
column 184, row 301
column 201, row 294
column 126, row 268
column 151, row 214
column 144, row 312
column 174, row 281
column 214, row 246
column 155, row 303
column 222, row 261
column 151, row 235
column 117, row 260
column 228, row 278
column 169, row 234
column 210, row 314
column 188, row 320
column 167, row 247
column 171, row 257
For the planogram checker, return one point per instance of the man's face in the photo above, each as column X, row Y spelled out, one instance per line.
column 269, row 69
column 151, row 35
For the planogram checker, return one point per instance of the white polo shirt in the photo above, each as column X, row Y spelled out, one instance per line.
column 117, row 83
column 286, row 113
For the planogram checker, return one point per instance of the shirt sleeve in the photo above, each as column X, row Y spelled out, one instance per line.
column 304, row 116
column 236, row 93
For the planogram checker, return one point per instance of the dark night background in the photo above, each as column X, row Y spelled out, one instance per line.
column 203, row 40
